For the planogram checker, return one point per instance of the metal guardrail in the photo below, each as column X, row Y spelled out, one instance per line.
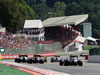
column 72, row 52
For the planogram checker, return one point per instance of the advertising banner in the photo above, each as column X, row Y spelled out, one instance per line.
column 46, row 42
column 29, row 55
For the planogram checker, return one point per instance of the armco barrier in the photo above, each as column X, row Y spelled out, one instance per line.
column 48, row 54
column 29, row 55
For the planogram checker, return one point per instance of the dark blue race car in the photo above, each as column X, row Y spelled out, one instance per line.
column 72, row 61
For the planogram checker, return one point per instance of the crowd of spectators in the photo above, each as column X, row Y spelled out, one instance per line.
column 8, row 41
column 54, row 33
column 31, row 31
column 67, row 35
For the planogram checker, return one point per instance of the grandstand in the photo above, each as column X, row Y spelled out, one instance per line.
column 34, row 29
column 64, row 31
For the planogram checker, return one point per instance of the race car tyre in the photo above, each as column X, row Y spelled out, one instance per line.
column 35, row 60
column 80, row 63
column 30, row 61
column 41, row 61
column 75, row 64
column 52, row 60
column 61, row 63
column 66, row 62
column 16, row 59
column 45, row 60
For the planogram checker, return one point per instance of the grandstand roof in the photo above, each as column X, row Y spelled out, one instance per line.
column 33, row 24
column 58, row 21
column 91, row 38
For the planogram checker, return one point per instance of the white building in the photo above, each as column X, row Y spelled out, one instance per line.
column 2, row 29
column 34, row 29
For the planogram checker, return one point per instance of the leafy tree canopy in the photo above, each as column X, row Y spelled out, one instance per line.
column 13, row 13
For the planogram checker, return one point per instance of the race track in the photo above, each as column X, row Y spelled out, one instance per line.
column 86, row 69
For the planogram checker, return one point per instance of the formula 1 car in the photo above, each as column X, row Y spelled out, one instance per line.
column 21, row 58
column 55, row 58
column 72, row 61
column 82, row 54
column 37, row 59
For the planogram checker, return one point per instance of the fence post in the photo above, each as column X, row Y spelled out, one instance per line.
column 52, row 47
column 0, row 57
column 36, row 47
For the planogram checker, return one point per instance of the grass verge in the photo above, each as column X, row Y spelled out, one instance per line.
column 8, row 70
column 88, row 47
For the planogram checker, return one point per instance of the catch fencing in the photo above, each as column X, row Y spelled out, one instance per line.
column 94, row 51
column 38, row 48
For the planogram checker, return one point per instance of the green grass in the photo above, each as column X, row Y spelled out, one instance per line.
column 88, row 47
column 6, row 59
column 8, row 70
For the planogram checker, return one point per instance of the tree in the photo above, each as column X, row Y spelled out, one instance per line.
column 34, row 2
column 50, row 3
column 88, row 7
column 42, row 11
column 13, row 13
column 73, row 9
column 59, row 9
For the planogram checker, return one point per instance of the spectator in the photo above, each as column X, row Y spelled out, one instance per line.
column 7, row 41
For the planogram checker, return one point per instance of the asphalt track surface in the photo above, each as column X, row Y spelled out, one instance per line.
column 87, row 68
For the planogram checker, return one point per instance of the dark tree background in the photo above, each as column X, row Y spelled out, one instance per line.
column 13, row 13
